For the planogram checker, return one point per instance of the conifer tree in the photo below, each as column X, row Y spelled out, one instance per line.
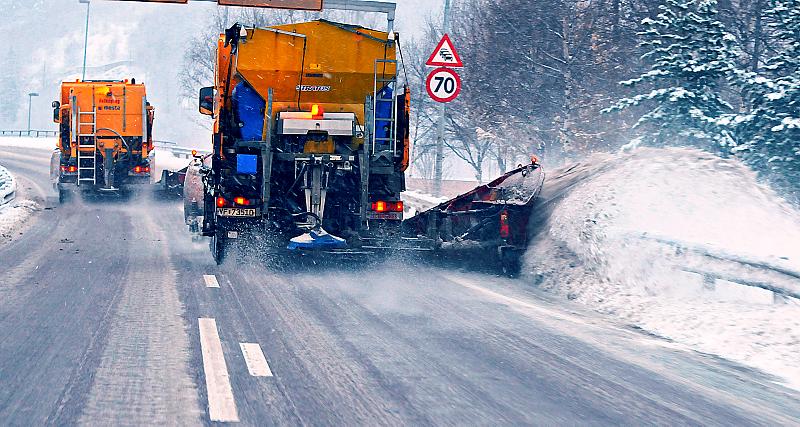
column 691, row 56
column 771, row 129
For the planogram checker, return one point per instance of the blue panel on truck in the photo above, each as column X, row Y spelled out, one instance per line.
column 383, row 111
column 249, row 108
column 246, row 163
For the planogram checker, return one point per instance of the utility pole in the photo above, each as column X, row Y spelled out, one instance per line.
column 30, row 97
column 439, row 161
column 85, row 36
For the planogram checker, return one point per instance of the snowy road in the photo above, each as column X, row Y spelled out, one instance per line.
column 110, row 314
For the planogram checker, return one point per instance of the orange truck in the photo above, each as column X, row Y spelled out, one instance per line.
column 311, row 139
column 105, row 136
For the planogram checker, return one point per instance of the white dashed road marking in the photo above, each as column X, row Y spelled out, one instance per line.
column 221, row 405
column 256, row 362
column 211, row 281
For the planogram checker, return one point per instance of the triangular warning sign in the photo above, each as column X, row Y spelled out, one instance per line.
column 445, row 55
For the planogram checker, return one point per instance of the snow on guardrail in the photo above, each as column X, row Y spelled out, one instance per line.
column 415, row 202
column 8, row 187
column 31, row 142
column 29, row 133
column 176, row 150
column 13, row 211
column 713, row 264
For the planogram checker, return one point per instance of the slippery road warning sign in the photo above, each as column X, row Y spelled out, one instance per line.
column 445, row 55
column 443, row 85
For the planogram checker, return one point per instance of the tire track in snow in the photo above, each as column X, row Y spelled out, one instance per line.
column 143, row 377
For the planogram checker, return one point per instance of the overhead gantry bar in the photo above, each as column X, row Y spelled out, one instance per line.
column 388, row 8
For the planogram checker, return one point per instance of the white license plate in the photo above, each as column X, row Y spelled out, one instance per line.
column 396, row 216
column 236, row 212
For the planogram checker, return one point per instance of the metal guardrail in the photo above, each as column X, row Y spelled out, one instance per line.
column 710, row 275
column 177, row 150
column 30, row 133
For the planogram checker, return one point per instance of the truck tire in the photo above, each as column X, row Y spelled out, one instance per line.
column 218, row 248
column 510, row 263
column 63, row 195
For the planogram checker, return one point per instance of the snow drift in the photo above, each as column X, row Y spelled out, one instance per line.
column 48, row 143
column 12, row 211
column 674, row 241
column 8, row 187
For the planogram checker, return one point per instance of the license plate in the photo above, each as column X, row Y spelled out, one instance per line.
column 236, row 212
column 395, row 216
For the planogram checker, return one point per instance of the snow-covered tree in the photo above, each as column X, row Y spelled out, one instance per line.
column 771, row 128
column 691, row 56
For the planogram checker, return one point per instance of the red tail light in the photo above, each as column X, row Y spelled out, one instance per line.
column 241, row 201
column 137, row 169
column 221, row 202
column 505, row 230
column 72, row 169
column 147, row 169
column 382, row 206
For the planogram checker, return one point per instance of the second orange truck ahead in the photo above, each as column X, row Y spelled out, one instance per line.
column 105, row 135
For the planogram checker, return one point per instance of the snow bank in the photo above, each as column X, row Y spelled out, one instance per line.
column 8, row 187
column 415, row 202
column 12, row 212
column 13, row 215
column 48, row 143
column 164, row 160
column 642, row 236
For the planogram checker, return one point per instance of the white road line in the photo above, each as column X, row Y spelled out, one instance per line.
column 221, row 405
column 256, row 362
column 211, row 281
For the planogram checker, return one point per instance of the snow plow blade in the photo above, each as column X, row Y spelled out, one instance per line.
column 490, row 220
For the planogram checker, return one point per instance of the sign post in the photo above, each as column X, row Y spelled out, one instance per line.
column 443, row 85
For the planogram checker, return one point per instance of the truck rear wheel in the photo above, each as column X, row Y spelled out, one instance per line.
column 218, row 248
column 510, row 262
column 63, row 195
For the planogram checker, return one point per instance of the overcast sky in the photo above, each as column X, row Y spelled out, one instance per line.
column 48, row 40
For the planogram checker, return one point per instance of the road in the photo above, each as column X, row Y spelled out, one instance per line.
column 111, row 314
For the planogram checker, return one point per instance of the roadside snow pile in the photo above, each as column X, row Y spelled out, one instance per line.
column 416, row 202
column 165, row 160
column 48, row 143
column 8, row 187
column 12, row 212
column 666, row 239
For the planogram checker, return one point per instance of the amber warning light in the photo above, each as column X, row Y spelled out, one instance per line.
column 278, row 4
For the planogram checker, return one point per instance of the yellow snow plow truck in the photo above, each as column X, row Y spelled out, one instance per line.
column 105, row 135
column 311, row 139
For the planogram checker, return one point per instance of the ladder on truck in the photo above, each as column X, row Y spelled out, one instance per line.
column 87, row 162
column 380, row 145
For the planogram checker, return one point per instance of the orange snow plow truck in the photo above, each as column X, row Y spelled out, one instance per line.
column 105, row 135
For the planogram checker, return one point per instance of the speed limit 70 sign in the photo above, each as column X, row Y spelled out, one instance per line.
column 443, row 84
